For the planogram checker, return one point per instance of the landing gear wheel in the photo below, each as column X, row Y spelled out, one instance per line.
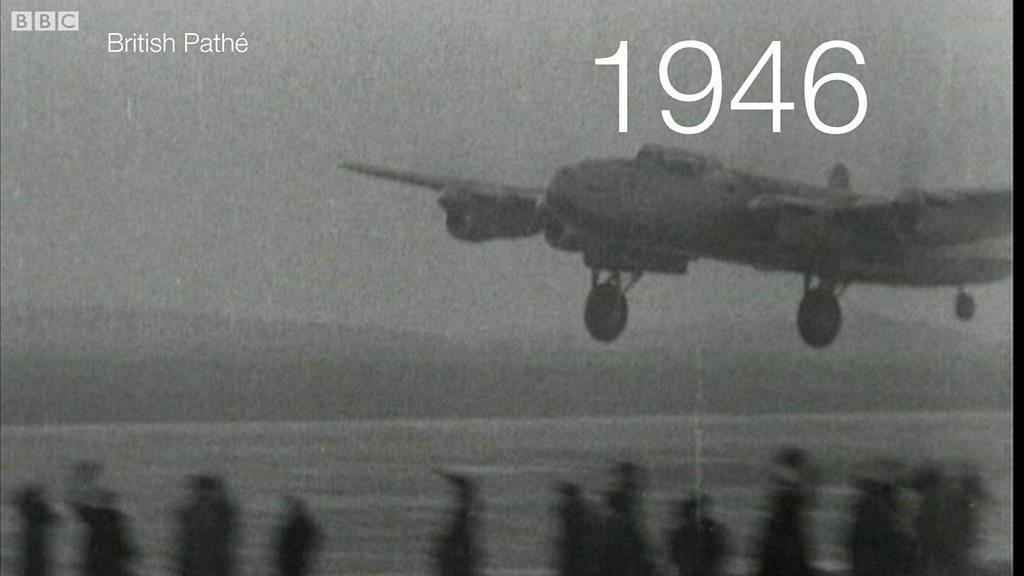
column 819, row 317
column 964, row 306
column 606, row 312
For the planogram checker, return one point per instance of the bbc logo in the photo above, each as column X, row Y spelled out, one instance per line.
column 41, row 21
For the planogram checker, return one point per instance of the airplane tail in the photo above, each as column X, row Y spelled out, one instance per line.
column 839, row 177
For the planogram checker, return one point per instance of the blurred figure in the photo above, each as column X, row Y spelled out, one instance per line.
column 930, row 525
column 456, row 548
column 948, row 521
column 697, row 545
column 296, row 540
column 37, row 520
column 624, row 550
column 881, row 544
column 630, row 481
column 207, row 530
column 109, row 549
column 784, row 549
column 83, row 493
column 575, row 545
column 968, row 496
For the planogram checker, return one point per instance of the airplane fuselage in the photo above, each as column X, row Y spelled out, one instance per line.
column 633, row 207
column 666, row 207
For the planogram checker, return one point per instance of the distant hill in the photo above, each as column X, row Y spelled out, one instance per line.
column 94, row 364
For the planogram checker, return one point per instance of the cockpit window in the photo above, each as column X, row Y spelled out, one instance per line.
column 676, row 160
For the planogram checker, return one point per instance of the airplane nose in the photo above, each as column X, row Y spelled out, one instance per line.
column 563, row 183
column 565, row 190
column 575, row 185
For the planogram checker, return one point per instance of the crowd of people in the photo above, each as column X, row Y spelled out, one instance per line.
column 206, row 536
column 904, row 523
column 920, row 522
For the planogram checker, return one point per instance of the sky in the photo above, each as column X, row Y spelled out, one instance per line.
column 210, row 182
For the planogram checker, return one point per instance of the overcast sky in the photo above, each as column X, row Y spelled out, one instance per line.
column 210, row 182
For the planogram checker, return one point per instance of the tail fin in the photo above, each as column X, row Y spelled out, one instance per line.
column 839, row 177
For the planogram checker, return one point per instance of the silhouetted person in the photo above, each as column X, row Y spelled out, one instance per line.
column 697, row 545
column 623, row 549
column 879, row 543
column 784, row 550
column 207, row 530
column 932, row 523
column 947, row 523
column 85, row 491
column 296, row 540
column 37, row 520
column 575, row 547
column 967, row 496
column 108, row 546
column 456, row 548
column 630, row 481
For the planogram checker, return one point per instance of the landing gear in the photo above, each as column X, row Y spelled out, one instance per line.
column 607, row 310
column 819, row 316
column 965, row 306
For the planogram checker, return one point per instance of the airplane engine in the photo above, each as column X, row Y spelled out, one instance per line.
column 563, row 237
column 476, row 218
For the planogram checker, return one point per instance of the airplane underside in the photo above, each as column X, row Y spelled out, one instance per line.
column 819, row 314
column 619, row 250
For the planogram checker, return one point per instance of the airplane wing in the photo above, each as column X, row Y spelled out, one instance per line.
column 476, row 210
column 412, row 178
column 962, row 216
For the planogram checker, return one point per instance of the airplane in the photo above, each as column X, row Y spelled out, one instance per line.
column 666, row 207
